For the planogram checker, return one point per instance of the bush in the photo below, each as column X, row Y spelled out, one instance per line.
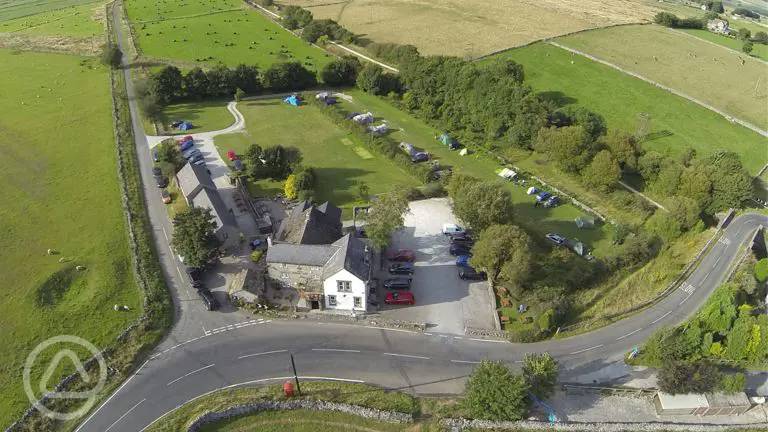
column 325, row 27
column 394, row 53
column 289, row 76
column 495, row 393
column 678, row 377
column 540, row 372
column 746, row 12
column 761, row 270
column 733, row 383
column 111, row 55
column 256, row 255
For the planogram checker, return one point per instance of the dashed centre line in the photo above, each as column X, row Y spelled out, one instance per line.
column 661, row 317
column 629, row 334
column 336, row 350
column 261, row 354
column 406, row 356
column 586, row 349
column 190, row 373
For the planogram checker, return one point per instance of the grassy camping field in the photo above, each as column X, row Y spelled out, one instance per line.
column 675, row 122
column 540, row 220
column 208, row 115
column 699, row 69
column 340, row 161
column 215, row 31
column 82, row 20
column 61, row 192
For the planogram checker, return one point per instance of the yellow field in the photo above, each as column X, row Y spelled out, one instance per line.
column 475, row 27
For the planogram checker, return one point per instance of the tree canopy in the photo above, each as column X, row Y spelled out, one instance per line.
column 494, row 392
column 480, row 204
column 289, row 76
column 503, row 251
column 540, row 372
column 341, row 72
column 384, row 217
column 193, row 235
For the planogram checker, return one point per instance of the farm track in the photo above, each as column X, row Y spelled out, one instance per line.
column 727, row 116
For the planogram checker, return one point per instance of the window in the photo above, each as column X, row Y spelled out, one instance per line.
column 358, row 302
column 331, row 300
column 344, row 286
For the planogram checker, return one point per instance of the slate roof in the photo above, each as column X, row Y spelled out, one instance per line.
column 308, row 224
column 210, row 199
column 348, row 253
column 309, row 255
column 192, row 179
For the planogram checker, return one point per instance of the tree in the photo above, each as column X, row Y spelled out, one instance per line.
column 253, row 161
column 372, row 79
column 278, row 162
column 111, row 55
column 731, row 183
column 247, row 78
column 603, row 172
column 289, row 76
column 593, row 124
column 295, row 17
column 677, row 377
column 290, row 187
column 325, row 27
column 363, row 191
column 668, row 180
column 239, row 94
column 341, row 72
column 744, row 34
column 166, row 85
column 663, row 225
column 193, row 235
column 305, row 179
column 650, row 165
column 733, row 383
column 540, row 372
column 761, row 270
column 480, row 204
column 696, row 184
column 168, row 152
column 684, row 210
column 624, row 148
column 747, row 47
column 666, row 19
column 760, row 37
column 196, row 83
column 384, row 217
column 495, row 393
column 719, row 312
column 742, row 339
column 567, row 146
column 220, row 81
column 503, row 251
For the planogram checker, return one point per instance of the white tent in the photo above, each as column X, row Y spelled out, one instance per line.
column 532, row 191
column 363, row 118
column 507, row 174
column 464, row 151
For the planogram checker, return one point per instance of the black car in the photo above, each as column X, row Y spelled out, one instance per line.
column 469, row 273
column 464, row 241
column 459, row 249
column 208, row 300
column 398, row 283
column 157, row 172
column 195, row 274
column 198, row 285
column 161, row 181
column 405, row 268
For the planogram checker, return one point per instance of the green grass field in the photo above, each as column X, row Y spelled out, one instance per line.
column 675, row 122
column 701, row 70
column 540, row 220
column 336, row 155
column 10, row 9
column 213, row 33
column 77, row 21
column 209, row 115
column 303, row 421
column 60, row 192
column 760, row 51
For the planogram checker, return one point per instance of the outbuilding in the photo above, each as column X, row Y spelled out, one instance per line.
column 701, row 404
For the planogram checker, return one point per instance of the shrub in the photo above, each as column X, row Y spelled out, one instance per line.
column 540, row 372
column 678, row 377
column 733, row 383
column 256, row 255
column 495, row 393
column 761, row 270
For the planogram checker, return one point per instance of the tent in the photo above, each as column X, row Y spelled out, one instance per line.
column 584, row 222
column 507, row 174
column 294, row 100
column 378, row 130
column 580, row 248
column 448, row 141
column 532, row 191
column 363, row 118
column 326, row 97
column 185, row 126
column 464, row 151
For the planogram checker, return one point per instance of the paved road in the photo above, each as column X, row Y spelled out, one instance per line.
column 192, row 362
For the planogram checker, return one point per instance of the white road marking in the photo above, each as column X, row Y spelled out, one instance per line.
column 406, row 355
column 336, row 350
column 190, row 373
column 465, row 361
column 428, row 334
column 629, row 334
column 586, row 349
column 261, row 354
column 123, row 416
column 112, row 395
column 686, row 298
column 660, row 318
column 717, row 261
column 689, row 288
column 487, row 340
column 165, row 234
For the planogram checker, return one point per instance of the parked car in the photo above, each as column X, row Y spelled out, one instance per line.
column 187, row 138
column 154, row 156
column 231, row 155
column 208, row 300
column 197, row 284
column 398, row 283
column 186, row 145
column 462, row 261
column 555, row 238
column 405, row 298
column 157, row 172
column 462, row 240
column 161, row 181
column 200, row 161
column 190, row 154
column 238, row 164
column 401, row 268
column 197, row 157
column 452, row 229
column 194, row 273
column 457, row 249
column 553, row 201
column 165, row 196
column 543, row 196
column 469, row 273
column 402, row 255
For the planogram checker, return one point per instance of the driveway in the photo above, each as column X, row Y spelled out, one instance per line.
column 445, row 302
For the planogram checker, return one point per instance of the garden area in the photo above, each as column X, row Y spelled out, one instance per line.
column 61, row 195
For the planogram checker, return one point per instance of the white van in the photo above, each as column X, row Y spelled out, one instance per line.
column 452, row 229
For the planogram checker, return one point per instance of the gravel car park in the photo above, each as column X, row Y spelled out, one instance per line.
column 441, row 298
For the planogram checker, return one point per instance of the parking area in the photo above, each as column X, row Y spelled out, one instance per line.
column 442, row 300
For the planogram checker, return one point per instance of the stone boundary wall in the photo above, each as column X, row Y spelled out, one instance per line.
column 462, row 425
column 240, row 410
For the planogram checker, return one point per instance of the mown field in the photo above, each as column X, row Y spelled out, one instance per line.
column 58, row 168
column 10, row 9
column 215, row 31
column 85, row 20
column 476, row 27
column 675, row 122
column 758, row 50
column 734, row 83
column 340, row 161
column 209, row 115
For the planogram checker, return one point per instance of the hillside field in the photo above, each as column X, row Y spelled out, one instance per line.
column 476, row 27
column 734, row 83
column 84, row 20
column 675, row 122
column 758, row 50
column 10, row 9
column 215, row 31
column 58, row 169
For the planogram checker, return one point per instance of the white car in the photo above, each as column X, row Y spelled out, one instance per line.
column 452, row 229
column 556, row 238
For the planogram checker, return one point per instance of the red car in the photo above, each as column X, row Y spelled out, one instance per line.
column 402, row 255
column 401, row 298
column 187, row 138
column 231, row 155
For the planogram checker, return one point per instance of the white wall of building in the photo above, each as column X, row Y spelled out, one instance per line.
column 345, row 300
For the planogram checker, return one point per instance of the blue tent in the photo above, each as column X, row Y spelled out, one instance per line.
column 292, row 100
column 185, row 126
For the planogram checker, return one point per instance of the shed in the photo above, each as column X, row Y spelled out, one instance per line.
column 584, row 222
column 701, row 404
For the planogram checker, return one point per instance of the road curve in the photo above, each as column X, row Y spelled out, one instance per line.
column 190, row 362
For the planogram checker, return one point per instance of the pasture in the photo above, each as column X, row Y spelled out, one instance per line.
column 84, row 20
column 758, row 50
column 732, row 82
column 216, row 31
column 476, row 27
column 58, row 169
column 675, row 122
column 10, row 9
column 340, row 161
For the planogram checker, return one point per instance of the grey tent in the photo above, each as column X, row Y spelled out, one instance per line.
column 584, row 222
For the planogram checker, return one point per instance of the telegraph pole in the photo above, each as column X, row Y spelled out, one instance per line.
column 295, row 376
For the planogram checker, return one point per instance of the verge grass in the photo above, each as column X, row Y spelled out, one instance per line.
column 212, row 33
column 61, row 192
column 338, row 166
column 676, row 123
column 699, row 69
column 304, row 421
